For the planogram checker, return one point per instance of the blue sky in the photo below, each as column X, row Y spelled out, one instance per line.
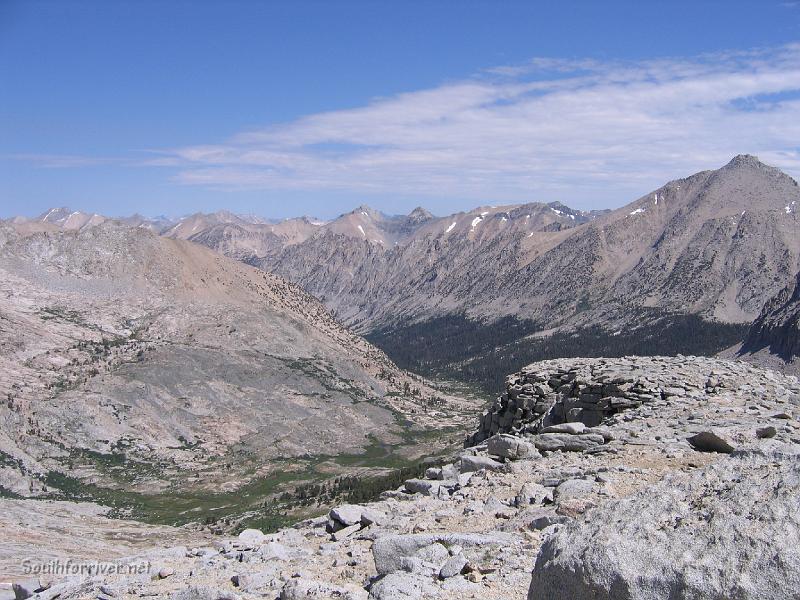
column 288, row 108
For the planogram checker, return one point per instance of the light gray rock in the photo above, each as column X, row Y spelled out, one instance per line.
column 25, row 588
column 300, row 588
column 250, row 538
column 256, row 582
column 544, row 520
column 435, row 554
column 510, row 446
column 568, row 442
column 571, row 428
column 730, row 530
column 532, row 493
column 346, row 532
column 493, row 506
column 608, row 435
column 68, row 589
column 572, row 489
column 476, row 463
column 422, row 486
column 710, row 441
column 274, row 551
column 449, row 472
column 402, row 586
column 453, row 566
column 346, row 514
column 204, row 593
column 460, row 584
column 370, row 516
column 390, row 550
column 433, row 473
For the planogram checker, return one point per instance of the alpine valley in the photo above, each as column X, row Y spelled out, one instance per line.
column 684, row 269
column 267, row 409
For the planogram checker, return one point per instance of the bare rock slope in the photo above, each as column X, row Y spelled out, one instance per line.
column 716, row 244
column 417, row 266
column 694, row 465
column 141, row 363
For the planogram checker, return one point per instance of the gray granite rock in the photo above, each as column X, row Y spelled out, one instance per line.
column 402, row 586
column 389, row 551
column 510, row 446
column 347, row 514
column 300, row 588
column 572, row 489
column 568, row 442
column 476, row 463
column 730, row 530
column 572, row 428
column 422, row 486
column 454, row 566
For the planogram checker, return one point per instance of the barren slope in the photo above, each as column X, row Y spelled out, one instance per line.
column 142, row 363
column 716, row 244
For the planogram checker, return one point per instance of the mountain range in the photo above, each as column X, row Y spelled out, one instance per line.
column 685, row 268
column 226, row 371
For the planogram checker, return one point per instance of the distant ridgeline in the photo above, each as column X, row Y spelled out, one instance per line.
column 455, row 346
column 660, row 275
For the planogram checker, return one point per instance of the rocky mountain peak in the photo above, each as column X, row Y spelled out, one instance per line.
column 308, row 220
column 227, row 216
column 419, row 215
column 559, row 206
column 66, row 218
column 53, row 215
column 743, row 186
column 744, row 160
column 366, row 210
column 748, row 164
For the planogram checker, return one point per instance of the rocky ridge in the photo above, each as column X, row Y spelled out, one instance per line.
column 403, row 267
column 705, row 448
column 717, row 244
column 240, row 237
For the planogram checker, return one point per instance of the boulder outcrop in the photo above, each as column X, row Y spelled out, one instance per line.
column 731, row 530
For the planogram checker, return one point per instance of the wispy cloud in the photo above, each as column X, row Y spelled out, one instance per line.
column 577, row 130
column 64, row 161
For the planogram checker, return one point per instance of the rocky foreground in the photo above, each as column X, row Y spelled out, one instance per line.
column 590, row 478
